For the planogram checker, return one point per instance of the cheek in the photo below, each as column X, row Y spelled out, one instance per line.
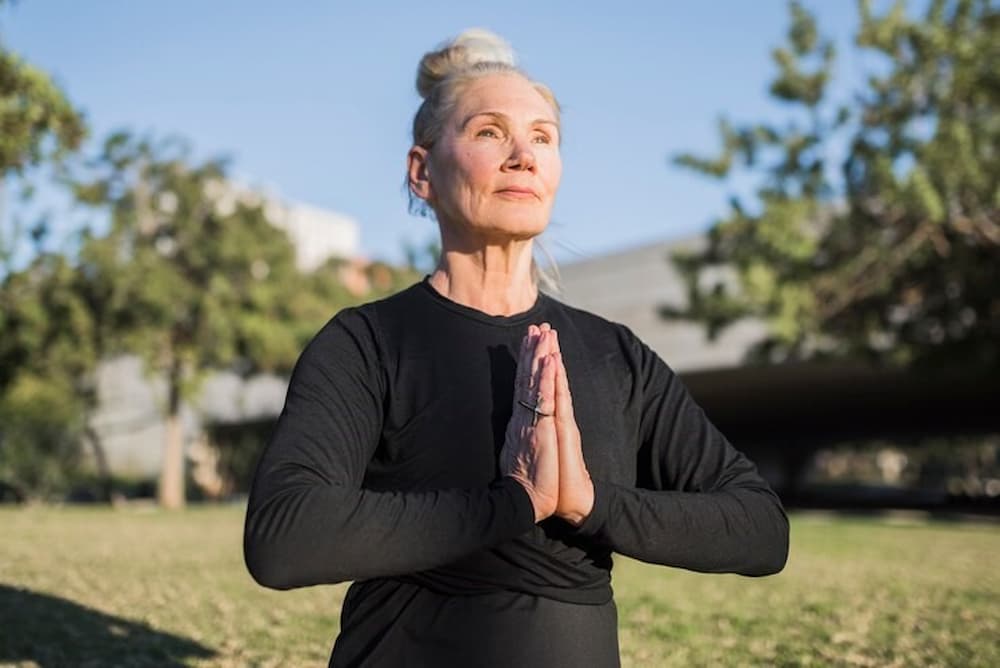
column 552, row 172
column 473, row 172
column 480, row 168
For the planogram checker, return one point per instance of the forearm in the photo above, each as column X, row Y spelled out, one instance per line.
column 316, row 533
column 732, row 530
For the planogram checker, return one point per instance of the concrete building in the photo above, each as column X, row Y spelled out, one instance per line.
column 629, row 286
column 318, row 234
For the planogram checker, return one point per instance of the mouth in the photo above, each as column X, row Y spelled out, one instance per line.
column 517, row 193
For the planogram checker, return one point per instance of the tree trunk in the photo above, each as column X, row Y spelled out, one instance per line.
column 171, row 489
column 101, row 460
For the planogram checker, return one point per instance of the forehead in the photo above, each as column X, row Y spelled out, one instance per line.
column 510, row 94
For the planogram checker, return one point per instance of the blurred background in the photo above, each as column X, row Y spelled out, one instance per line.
column 797, row 205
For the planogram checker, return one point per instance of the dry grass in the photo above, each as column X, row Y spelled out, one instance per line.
column 88, row 586
column 854, row 593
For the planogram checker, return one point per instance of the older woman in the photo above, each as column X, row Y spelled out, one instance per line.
column 471, row 451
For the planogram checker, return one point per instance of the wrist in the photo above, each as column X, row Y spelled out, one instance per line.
column 578, row 514
column 540, row 503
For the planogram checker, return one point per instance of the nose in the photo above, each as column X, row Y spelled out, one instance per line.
column 522, row 157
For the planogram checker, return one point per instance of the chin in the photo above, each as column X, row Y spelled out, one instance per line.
column 519, row 222
column 519, row 229
column 502, row 226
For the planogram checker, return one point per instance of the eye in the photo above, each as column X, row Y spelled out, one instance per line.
column 542, row 138
column 488, row 132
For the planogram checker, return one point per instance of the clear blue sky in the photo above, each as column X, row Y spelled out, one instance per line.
column 315, row 99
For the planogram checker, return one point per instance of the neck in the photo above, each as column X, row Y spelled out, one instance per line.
column 494, row 278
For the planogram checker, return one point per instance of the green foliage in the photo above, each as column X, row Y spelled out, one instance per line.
column 39, row 444
column 324, row 292
column 47, row 359
column 38, row 122
column 192, row 274
column 38, row 126
column 898, row 258
column 46, row 326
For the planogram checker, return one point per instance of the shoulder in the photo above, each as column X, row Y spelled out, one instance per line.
column 615, row 343
column 358, row 341
column 363, row 324
column 595, row 329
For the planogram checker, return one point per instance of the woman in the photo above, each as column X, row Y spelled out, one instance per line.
column 471, row 451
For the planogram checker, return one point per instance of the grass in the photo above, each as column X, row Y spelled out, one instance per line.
column 92, row 586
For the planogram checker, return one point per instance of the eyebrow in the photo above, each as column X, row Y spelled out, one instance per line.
column 500, row 114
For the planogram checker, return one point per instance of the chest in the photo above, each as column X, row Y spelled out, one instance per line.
column 448, row 407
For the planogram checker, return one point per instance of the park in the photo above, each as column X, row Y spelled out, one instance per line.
column 819, row 266
column 146, row 587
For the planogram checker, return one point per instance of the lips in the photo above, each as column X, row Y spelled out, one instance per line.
column 518, row 192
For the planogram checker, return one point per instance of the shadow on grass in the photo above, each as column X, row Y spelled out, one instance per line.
column 52, row 631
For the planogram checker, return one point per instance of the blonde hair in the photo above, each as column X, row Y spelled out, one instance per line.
column 441, row 76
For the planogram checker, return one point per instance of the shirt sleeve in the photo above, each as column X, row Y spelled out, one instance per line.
column 310, row 520
column 700, row 504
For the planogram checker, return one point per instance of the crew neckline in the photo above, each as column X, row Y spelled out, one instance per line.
column 476, row 314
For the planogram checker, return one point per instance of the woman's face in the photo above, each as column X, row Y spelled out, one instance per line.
column 496, row 168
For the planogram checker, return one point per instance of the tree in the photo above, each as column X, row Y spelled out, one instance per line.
column 335, row 284
column 46, row 377
column 43, row 365
column 38, row 125
column 193, row 275
column 897, row 257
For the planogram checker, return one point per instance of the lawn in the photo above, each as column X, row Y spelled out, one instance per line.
column 91, row 586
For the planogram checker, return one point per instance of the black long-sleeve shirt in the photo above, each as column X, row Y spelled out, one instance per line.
column 383, row 466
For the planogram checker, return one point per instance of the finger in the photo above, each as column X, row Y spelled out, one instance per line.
column 522, row 380
column 547, row 387
column 564, row 399
column 524, row 384
column 543, row 349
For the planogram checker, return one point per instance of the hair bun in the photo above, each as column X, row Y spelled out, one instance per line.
column 473, row 46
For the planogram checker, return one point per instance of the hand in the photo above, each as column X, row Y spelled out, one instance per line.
column 530, row 453
column 576, row 489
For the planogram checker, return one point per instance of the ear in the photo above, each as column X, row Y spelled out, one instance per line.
column 418, row 174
